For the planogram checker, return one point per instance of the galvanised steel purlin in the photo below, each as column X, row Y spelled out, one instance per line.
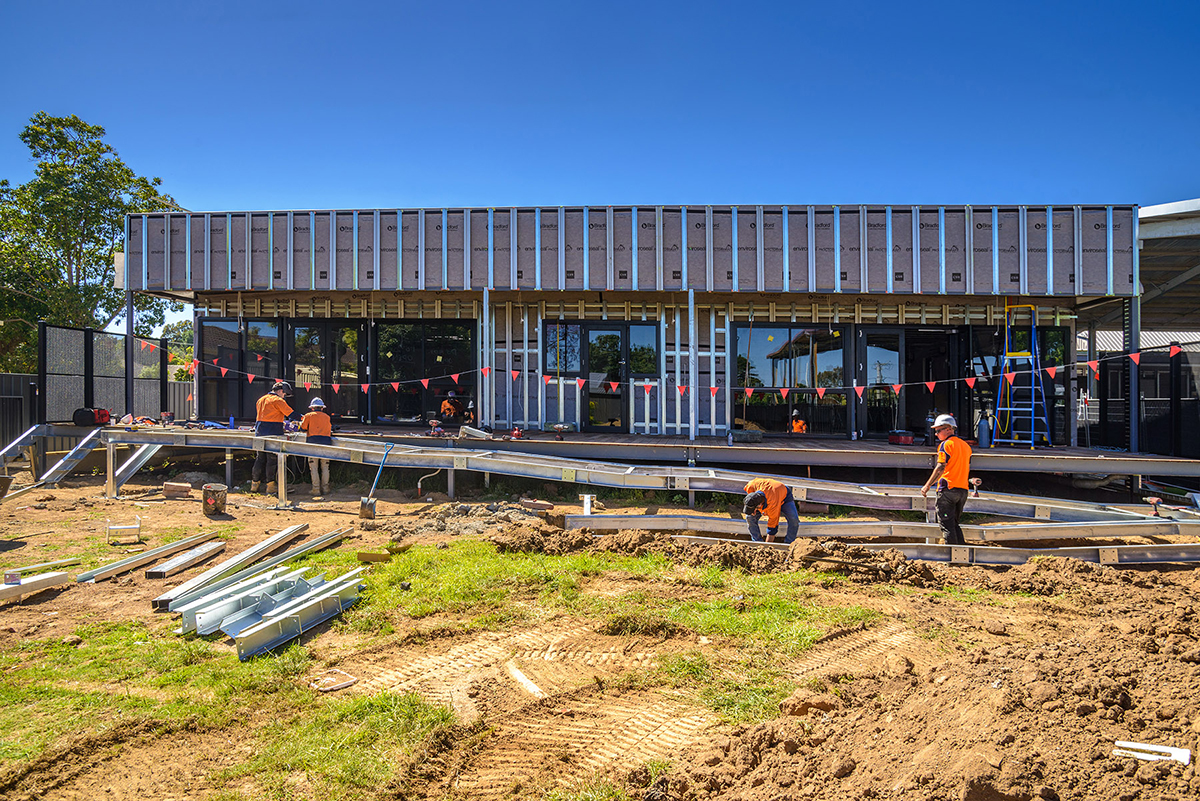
column 137, row 560
column 213, row 588
column 189, row 610
column 210, row 618
column 291, row 620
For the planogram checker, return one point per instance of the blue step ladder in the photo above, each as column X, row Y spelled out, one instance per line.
column 1022, row 416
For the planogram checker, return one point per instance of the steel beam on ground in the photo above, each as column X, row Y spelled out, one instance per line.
column 228, row 582
column 995, row 555
column 230, row 565
column 185, row 560
column 43, row 565
column 212, row 617
column 265, row 605
column 190, row 611
column 291, row 620
column 145, row 558
column 32, row 584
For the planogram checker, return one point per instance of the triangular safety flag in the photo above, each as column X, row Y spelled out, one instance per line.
column 1052, row 369
column 579, row 382
column 485, row 371
column 364, row 387
column 859, row 390
column 1137, row 358
column 1175, row 351
column 897, row 387
column 749, row 391
column 189, row 397
column 614, row 385
column 144, row 344
column 970, row 382
column 152, row 347
column 546, row 379
column 251, row 377
column 1095, row 365
column 307, row 386
column 1010, row 377
column 224, row 370
column 214, row 361
column 195, row 362
column 713, row 390
column 455, row 377
column 170, row 357
column 258, row 356
column 425, row 383
column 336, row 387
column 191, row 369
column 930, row 384
column 784, row 392
column 820, row 392
column 682, row 389
column 395, row 386
column 516, row 374
column 647, row 386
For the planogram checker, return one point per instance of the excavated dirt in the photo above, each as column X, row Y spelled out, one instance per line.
column 972, row 684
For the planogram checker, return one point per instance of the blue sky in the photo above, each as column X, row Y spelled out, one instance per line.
column 255, row 105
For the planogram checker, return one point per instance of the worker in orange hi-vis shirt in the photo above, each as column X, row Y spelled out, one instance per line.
column 319, row 430
column 774, row 497
column 798, row 424
column 950, row 474
column 271, row 411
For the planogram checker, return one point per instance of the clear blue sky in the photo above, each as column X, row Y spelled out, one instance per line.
column 298, row 105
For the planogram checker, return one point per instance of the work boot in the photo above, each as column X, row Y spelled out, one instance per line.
column 272, row 488
column 325, row 490
column 255, row 485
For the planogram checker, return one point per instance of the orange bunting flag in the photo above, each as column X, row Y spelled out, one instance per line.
column 170, row 357
column 859, row 390
column 897, row 387
column 579, row 382
column 1175, row 351
column 258, row 356
column 1052, row 369
column 214, row 361
column 195, row 362
column 395, row 386
column 307, row 386
column 152, row 347
column 191, row 369
column 970, row 382
column 455, row 377
column 682, row 388
column 485, row 371
column 930, row 384
column 364, row 387
column 1137, row 358
column 784, row 392
column 516, row 374
column 224, row 370
column 425, row 383
column 189, row 397
column 546, row 379
column 749, row 391
column 144, row 344
column 1095, row 365
column 820, row 392
column 251, row 377
column 713, row 390
column 647, row 387
column 336, row 388
column 1010, row 377
column 613, row 385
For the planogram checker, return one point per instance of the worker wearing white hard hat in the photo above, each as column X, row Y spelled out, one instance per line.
column 951, row 476
column 318, row 427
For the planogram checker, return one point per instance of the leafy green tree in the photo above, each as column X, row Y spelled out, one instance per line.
column 181, row 346
column 59, row 232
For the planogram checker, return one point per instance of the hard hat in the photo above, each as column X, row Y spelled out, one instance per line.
column 316, row 403
column 285, row 386
column 451, row 393
column 752, row 501
column 795, row 412
column 944, row 420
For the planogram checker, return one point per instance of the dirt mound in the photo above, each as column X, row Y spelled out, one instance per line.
column 864, row 565
column 1052, row 575
column 540, row 537
column 457, row 519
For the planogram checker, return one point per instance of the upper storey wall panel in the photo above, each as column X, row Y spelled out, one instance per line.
column 934, row 250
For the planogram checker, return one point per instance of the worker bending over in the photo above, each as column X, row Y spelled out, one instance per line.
column 318, row 429
column 270, row 412
column 775, row 498
column 950, row 474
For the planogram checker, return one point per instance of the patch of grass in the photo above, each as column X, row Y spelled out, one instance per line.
column 968, row 595
column 595, row 788
column 347, row 748
column 635, row 623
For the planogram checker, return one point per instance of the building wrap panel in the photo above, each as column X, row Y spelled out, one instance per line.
column 280, row 239
column 850, row 247
column 1064, row 251
column 260, row 251
column 239, row 226
column 956, row 252
column 365, row 250
column 1035, row 243
column 576, row 246
column 389, row 239
column 697, row 248
column 501, row 249
column 549, row 249
column 797, row 223
column 903, row 254
column 1009, row 235
column 877, row 250
column 344, row 251
column 302, row 250
column 647, row 248
column 826, row 251
column 199, row 250
column 177, row 255
column 722, row 245
column 597, row 248
column 772, row 252
column 929, row 230
column 479, row 249
column 323, row 255
column 622, row 236
column 156, row 238
column 747, row 249
column 672, row 238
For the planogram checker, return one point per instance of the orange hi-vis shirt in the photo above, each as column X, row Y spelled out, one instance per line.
column 272, row 409
column 317, row 424
column 799, row 427
column 956, row 456
column 776, row 494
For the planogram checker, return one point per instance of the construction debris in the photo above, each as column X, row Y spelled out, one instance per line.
column 368, row 556
column 173, row 489
column 118, row 535
column 182, row 562
column 32, row 584
column 328, row 681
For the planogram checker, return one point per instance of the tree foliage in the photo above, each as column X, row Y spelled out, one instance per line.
column 59, row 232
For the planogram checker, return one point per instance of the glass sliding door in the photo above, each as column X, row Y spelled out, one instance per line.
column 439, row 353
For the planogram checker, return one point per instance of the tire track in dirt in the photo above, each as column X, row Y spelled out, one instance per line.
column 560, row 746
column 861, row 651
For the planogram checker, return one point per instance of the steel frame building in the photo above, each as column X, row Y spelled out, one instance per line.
column 686, row 282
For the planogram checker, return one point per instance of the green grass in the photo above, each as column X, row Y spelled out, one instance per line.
column 345, row 747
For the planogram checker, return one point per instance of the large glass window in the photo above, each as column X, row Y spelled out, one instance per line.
column 440, row 353
column 643, row 350
column 784, row 365
column 220, row 343
column 882, row 371
column 562, row 349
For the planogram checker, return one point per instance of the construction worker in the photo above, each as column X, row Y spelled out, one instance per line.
column 950, row 474
column 798, row 424
column 271, row 410
column 451, row 408
column 776, row 498
column 318, row 429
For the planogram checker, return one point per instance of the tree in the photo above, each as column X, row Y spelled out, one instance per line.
column 181, row 346
column 59, row 232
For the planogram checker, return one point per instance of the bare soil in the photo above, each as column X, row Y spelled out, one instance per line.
column 974, row 684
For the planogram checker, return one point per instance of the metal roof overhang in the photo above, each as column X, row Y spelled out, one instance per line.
column 1169, row 267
